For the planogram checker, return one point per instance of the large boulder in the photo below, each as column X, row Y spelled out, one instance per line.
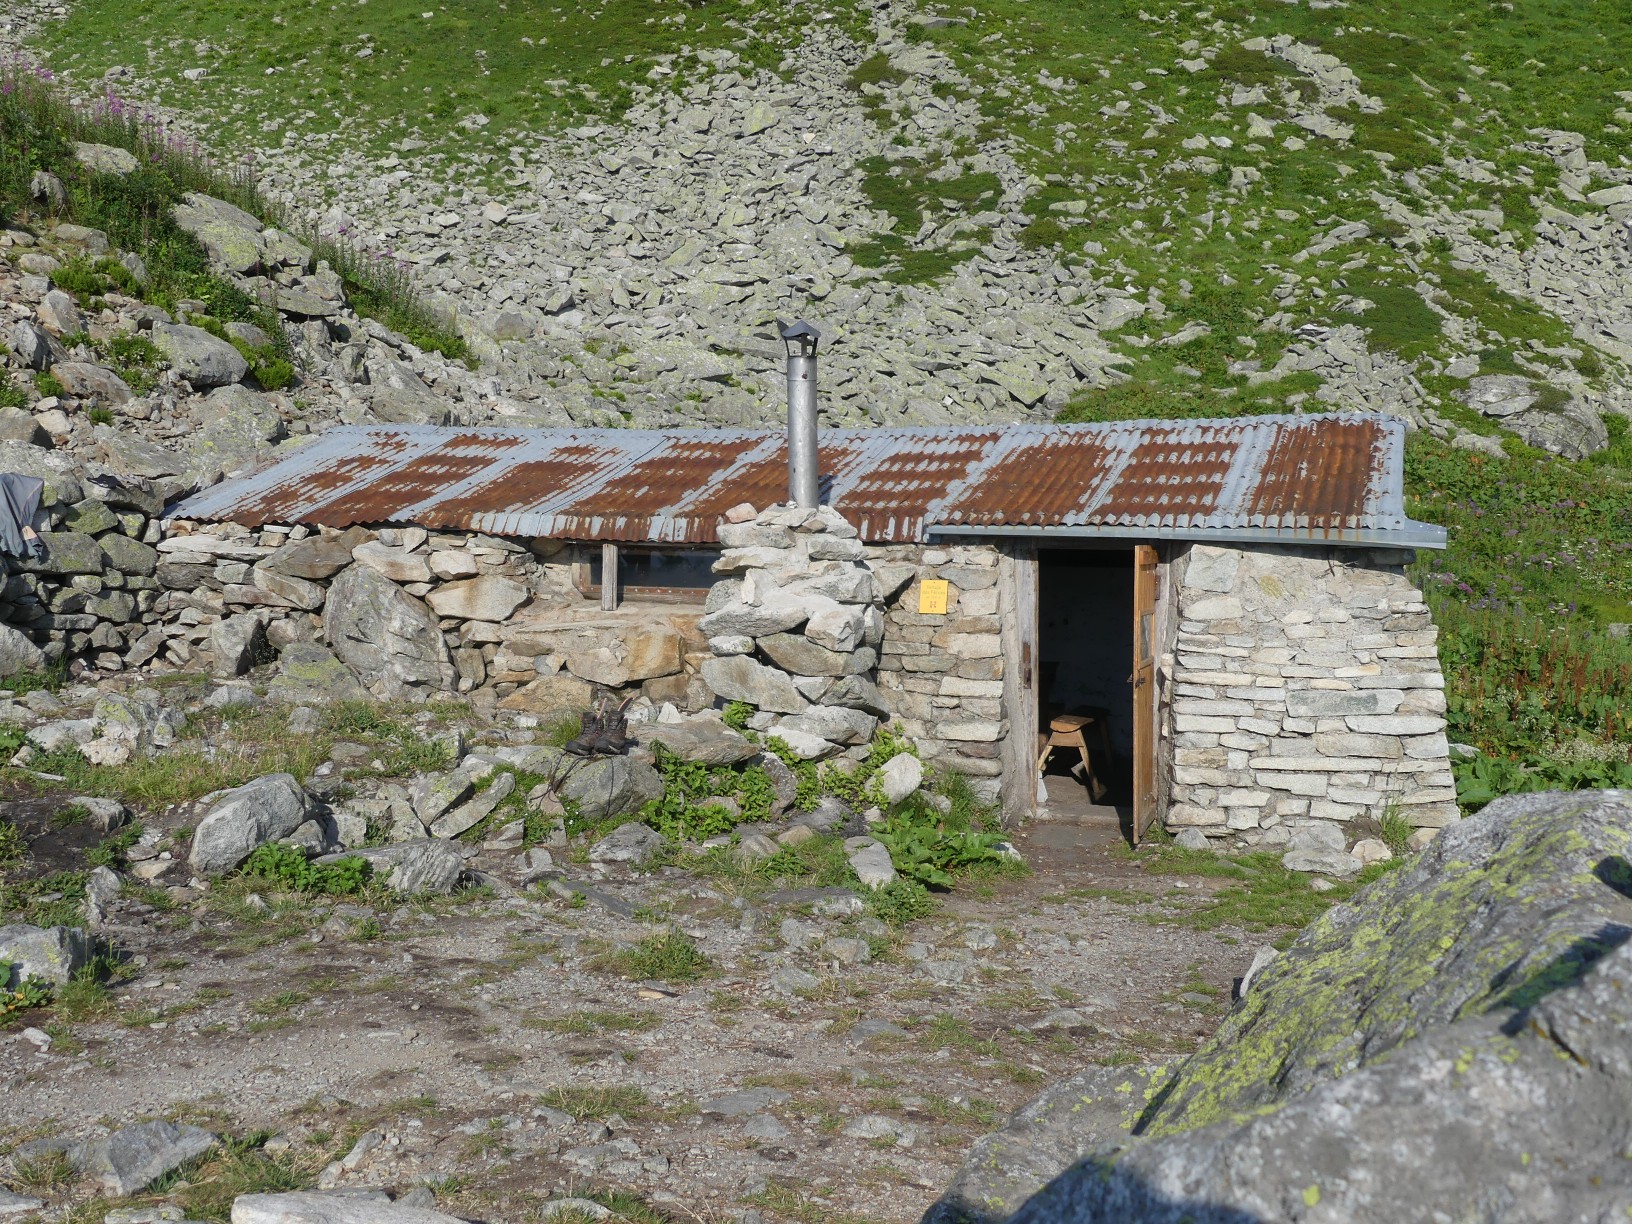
column 400, row 397
column 1543, row 415
column 309, row 674
column 633, row 843
column 1449, row 1045
column 1066, row 1123
column 488, row 598
column 18, row 654
column 706, row 741
column 339, row 1207
column 52, row 954
column 61, row 473
column 611, row 786
column 231, row 236
column 129, row 1160
column 128, row 556
column 643, row 652
column 199, row 357
column 388, row 637
column 91, row 382
column 316, row 558
column 242, row 819
column 32, row 345
column 105, row 159
column 237, row 425
column 237, row 643
column 413, row 867
column 741, row 678
column 66, row 552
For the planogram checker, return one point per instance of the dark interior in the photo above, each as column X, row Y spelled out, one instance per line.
column 1085, row 641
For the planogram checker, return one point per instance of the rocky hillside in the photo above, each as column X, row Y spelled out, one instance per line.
column 999, row 211
column 1375, row 1069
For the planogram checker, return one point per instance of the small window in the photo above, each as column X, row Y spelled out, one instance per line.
column 682, row 572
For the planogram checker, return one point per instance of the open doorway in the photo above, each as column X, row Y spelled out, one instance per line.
column 1085, row 629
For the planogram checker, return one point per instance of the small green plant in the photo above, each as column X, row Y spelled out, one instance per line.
column 27, row 994
column 288, row 867
column 736, row 715
column 48, row 386
column 690, row 807
column 110, row 852
column 670, row 957
column 12, row 846
column 923, row 847
column 586, row 1102
column 136, row 359
column 901, row 901
column 1396, row 829
column 588, row 1022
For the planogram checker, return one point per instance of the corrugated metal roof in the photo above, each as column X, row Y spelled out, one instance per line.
column 1331, row 477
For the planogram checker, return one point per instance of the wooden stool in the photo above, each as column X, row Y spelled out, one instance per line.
column 1071, row 731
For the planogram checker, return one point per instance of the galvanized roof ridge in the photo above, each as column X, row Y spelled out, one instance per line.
column 1383, row 421
column 1307, row 475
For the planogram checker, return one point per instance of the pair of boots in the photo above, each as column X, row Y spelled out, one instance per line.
column 604, row 733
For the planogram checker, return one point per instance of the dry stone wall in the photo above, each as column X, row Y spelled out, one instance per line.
column 942, row 676
column 94, row 594
column 1305, row 692
column 795, row 627
column 398, row 614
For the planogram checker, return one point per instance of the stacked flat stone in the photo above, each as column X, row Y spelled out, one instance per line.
column 1305, row 689
column 943, row 675
column 411, row 612
column 795, row 629
column 94, row 593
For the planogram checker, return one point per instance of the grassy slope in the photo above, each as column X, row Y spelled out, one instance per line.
column 1095, row 104
column 373, row 73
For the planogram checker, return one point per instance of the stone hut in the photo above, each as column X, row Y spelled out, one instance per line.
column 1226, row 599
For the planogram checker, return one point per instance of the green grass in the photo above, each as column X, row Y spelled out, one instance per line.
column 598, row 1102
column 523, row 65
column 588, row 1023
column 38, row 126
column 669, row 957
column 1263, row 896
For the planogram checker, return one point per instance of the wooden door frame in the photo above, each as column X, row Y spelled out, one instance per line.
column 1017, row 608
column 1147, row 651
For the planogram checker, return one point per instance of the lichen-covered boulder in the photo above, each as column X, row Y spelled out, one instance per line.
column 1449, row 1045
column 200, row 358
column 611, row 786
column 388, row 637
column 231, row 236
column 52, row 954
column 309, row 674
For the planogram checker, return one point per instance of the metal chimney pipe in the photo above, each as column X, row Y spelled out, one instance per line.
column 803, row 461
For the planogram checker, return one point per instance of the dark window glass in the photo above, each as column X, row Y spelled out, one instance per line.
column 688, row 569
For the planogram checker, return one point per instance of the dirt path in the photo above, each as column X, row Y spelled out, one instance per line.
column 462, row 1034
column 823, row 1068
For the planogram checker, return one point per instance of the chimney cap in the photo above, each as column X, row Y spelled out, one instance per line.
column 799, row 333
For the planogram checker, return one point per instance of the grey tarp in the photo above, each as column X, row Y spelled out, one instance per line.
column 19, row 499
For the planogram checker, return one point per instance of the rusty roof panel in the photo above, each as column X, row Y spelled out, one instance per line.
column 1297, row 477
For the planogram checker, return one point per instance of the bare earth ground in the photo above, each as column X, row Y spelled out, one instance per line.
column 452, row 1032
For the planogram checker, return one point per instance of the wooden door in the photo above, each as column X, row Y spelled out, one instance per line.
column 1017, row 606
column 1144, row 689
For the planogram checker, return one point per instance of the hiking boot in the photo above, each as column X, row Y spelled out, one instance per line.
column 583, row 744
column 613, row 739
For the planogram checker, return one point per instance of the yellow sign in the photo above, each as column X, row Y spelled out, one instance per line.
column 932, row 596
